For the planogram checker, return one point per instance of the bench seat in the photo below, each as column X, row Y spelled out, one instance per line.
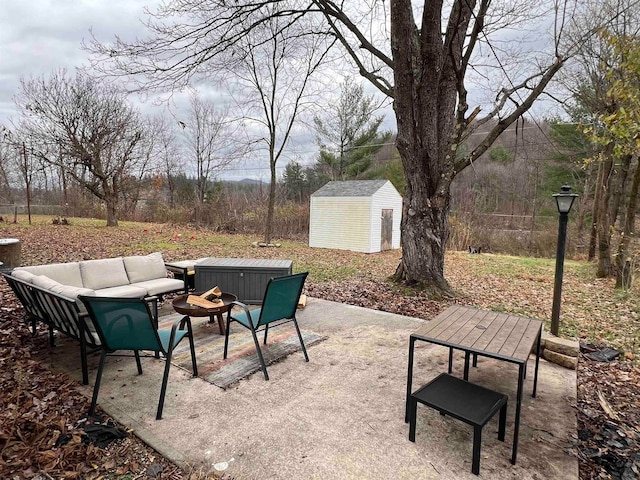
column 470, row 403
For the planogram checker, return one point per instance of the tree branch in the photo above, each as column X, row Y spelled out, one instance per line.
column 545, row 77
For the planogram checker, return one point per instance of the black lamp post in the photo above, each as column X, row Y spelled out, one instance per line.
column 564, row 202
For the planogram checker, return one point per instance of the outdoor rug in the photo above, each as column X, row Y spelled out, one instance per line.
column 242, row 359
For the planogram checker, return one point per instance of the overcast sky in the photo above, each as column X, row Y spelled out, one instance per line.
column 39, row 36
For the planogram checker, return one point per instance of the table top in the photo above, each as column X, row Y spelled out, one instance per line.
column 498, row 335
column 180, row 305
column 244, row 263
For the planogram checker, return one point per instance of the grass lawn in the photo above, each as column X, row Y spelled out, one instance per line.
column 592, row 310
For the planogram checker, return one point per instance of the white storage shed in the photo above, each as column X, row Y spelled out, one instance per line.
column 357, row 215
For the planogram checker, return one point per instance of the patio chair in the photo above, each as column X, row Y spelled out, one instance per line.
column 128, row 324
column 278, row 307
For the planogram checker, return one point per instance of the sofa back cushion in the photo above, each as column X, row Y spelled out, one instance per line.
column 103, row 273
column 44, row 282
column 23, row 275
column 65, row 273
column 66, row 290
column 141, row 268
column 72, row 292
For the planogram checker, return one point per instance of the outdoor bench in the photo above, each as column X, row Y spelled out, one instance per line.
column 49, row 293
column 463, row 400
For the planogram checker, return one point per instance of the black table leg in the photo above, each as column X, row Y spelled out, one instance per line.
column 535, row 375
column 412, row 342
column 466, row 365
column 516, row 428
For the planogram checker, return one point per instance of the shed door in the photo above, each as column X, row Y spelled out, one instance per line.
column 387, row 228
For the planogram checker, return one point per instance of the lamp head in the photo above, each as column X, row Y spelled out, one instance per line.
column 564, row 199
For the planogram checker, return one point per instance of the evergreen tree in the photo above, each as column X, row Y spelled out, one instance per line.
column 348, row 135
column 295, row 181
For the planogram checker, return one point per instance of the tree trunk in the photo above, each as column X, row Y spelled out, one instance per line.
column 65, row 191
column 422, row 259
column 604, row 221
column 617, row 195
column 271, row 205
column 582, row 211
column 425, row 103
column 111, row 203
column 171, row 190
column 624, row 271
column 27, row 179
column 597, row 199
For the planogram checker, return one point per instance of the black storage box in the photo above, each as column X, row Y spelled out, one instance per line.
column 244, row 277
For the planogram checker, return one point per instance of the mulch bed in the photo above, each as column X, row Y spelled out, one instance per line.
column 608, row 413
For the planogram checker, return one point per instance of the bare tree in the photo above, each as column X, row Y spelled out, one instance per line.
column 7, row 158
column 168, row 153
column 276, row 65
column 419, row 61
column 211, row 144
column 86, row 128
column 27, row 165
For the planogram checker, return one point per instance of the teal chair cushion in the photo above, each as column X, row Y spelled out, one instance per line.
column 165, row 336
column 279, row 305
column 124, row 325
column 242, row 318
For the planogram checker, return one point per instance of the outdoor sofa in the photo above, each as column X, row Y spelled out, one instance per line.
column 49, row 293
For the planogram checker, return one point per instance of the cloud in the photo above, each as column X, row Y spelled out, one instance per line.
column 40, row 36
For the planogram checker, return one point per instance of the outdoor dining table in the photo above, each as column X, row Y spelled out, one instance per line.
column 502, row 336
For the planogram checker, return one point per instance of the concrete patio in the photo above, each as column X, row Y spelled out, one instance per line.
column 340, row 416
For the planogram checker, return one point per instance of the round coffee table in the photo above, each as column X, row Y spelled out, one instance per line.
column 180, row 305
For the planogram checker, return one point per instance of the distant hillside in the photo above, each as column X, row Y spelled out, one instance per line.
column 506, row 178
column 244, row 181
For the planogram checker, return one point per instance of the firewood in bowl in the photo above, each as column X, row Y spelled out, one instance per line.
column 212, row 294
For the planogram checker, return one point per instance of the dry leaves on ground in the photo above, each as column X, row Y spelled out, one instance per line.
column 38, row 407
column 608, row 420
column 42, row 427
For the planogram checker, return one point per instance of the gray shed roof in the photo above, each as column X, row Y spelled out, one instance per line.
column 350, row 188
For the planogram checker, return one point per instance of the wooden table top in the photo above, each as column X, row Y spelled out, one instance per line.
column 499, row 335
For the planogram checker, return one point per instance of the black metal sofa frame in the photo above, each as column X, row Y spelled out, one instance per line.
column 59, row 313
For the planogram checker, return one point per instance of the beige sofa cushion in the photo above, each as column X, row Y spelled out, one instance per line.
column 126, row 291
column 23, row 275
column 158, row 286
column 45, row 282
column 65, row 273
column 72, row 292
column 68, row 291
column 103, row 273
column 141, row 268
